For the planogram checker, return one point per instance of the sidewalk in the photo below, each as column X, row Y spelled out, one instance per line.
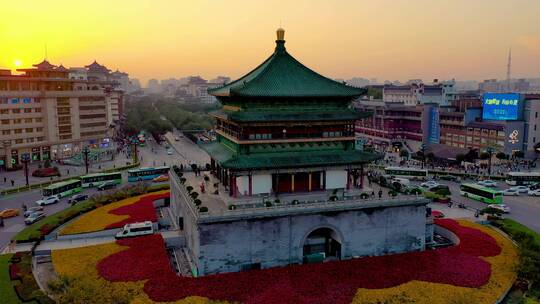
column 19, row 179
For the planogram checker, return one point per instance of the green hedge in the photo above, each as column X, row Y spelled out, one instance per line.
column 45, row 184
column 529, row 252
column 8, row 295
column 43, row 227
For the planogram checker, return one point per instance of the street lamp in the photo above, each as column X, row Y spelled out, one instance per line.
column 424, row 146
column 490, row 151
column 25, row 158
column 85, row 152
column 134, row 151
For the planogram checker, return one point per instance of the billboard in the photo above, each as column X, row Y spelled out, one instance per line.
column 500, row 106
column 434, row 126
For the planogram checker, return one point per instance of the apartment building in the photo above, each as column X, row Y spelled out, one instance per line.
column 46, row 114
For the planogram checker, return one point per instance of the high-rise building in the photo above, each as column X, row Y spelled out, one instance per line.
column 50, row 112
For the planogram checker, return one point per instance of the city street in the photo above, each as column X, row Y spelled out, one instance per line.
column 184, row 152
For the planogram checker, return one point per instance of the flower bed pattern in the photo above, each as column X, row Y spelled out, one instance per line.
column 334, row 282
column 114, row 214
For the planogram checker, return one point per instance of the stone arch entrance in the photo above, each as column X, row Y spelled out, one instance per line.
column 322, row 244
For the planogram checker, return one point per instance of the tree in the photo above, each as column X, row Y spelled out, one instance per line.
column 501, row 155
column 484, row 155
column 404, row 153
column 519, row 154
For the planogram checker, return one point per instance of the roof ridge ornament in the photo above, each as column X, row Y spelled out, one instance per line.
column 280, row 41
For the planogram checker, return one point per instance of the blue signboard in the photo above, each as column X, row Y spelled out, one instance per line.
column 434, row 126
column 500, row 106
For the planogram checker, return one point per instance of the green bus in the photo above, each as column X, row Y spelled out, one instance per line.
column 96, row 179
column 481, row 193
column 63, row 188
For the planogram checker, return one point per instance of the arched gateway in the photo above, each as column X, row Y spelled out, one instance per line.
column 322, row 244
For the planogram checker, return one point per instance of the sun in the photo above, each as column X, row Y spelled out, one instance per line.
column 17, row 62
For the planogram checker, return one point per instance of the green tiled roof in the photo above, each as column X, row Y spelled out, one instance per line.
column 255, row 116
column 283, row 76
column 286, row 159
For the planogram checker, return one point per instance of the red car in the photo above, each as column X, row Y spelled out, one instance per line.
column 46, row 172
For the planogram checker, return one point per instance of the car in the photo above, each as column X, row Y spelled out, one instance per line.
column 106, row 185
column 170, row 152
column 534, row 186
column 77, row 198
column 10, row 212
column 437, row 214
column 520, row 189
column 53, row 199
column 487, row 183
column 135, row 229
column 510, row 192
column 429, row 184
column 439, row 187
column 449, row 177
column 32, row 210
column 176, row 138
column 504, row 208
column 534, row 192
column 161, row 178
column 34, row 217
column 46, row 172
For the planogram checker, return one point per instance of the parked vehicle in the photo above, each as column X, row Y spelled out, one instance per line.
column 11, row 212
column 510, row 192
column 32, row 210
column 53, row 199
column 501, row 207
column 77, row 198
column 520, row 189
column 429, row 184
column 46, row 172
column 449, row 177
column 106, row 186
column 534, row 192
column 487, row 183
column 161, row 178
column 135, row 229
column 34, row 217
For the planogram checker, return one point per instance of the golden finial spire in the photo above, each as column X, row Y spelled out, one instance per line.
column 280, row 34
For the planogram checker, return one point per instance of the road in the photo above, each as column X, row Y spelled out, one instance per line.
column 184, row 151
column 524, row 209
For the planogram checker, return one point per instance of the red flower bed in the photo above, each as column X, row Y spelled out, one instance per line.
column 140, row 211
column 14, row 272
column 333, row 282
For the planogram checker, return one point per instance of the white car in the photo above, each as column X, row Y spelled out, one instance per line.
column 534, row 192
column 488, row 183
column 170, row 152
column 520, row 189
column 501, row 207
column 511, row 192
column 53, row 199
column 429, row 184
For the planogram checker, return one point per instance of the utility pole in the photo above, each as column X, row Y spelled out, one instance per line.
column 25, row 158
column 85, row 152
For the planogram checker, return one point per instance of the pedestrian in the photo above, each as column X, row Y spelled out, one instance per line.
column 24, row 208
column 5, row 179
column 380, row 193
column 12, row 183
column 67, row 171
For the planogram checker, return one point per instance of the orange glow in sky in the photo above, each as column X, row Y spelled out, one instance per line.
column 386, row 39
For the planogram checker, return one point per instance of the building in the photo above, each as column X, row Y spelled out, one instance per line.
column 285, row 147
column 406, row 95
column 50, row 112
column 531, row 116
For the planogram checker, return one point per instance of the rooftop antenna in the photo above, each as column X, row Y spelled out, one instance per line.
column 508, row 69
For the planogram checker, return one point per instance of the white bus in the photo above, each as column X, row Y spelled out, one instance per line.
column 96, row 179
column 522, row 178
column 409, row 173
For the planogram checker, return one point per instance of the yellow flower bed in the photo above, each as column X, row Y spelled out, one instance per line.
column 502, row 276
column 98, row 219
column 80, row 264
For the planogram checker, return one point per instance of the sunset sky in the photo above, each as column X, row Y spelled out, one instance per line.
column 386, row 39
